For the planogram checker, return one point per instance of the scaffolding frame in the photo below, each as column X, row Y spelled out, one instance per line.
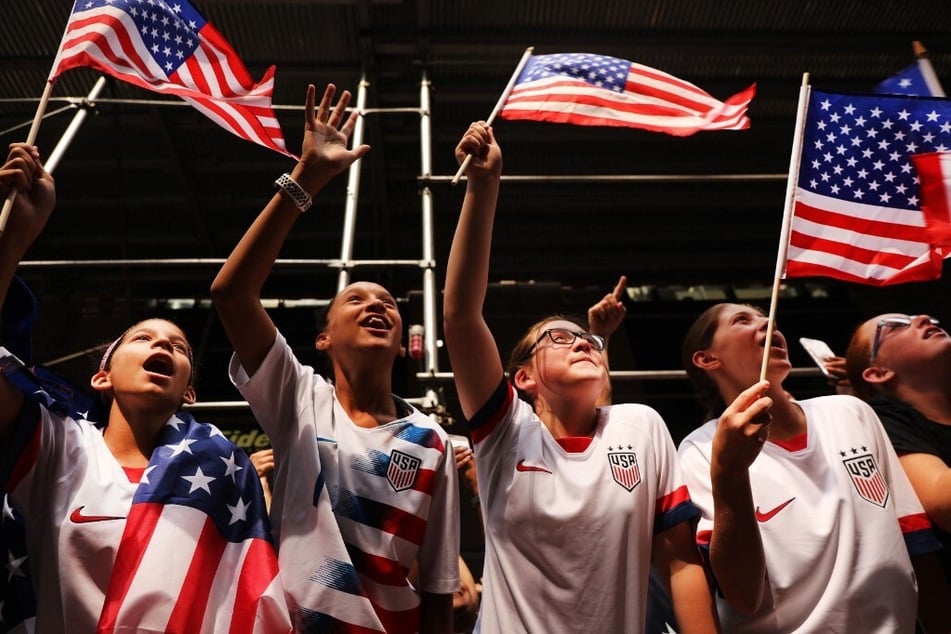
column 430, row 376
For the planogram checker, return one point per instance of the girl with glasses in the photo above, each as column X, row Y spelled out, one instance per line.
column 901, row 364
column 577, row 500
column 808, row 522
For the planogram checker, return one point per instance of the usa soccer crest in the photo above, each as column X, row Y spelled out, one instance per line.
column 402, row 471
column 867, row 479
column 624, row 468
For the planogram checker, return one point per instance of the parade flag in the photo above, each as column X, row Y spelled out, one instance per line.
column 857, row 211
column 168, row 47
column 597, row 90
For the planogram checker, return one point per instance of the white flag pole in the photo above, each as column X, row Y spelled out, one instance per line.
column 783, row 250
column 498, row 106
column 30, row 140
column 927, row 70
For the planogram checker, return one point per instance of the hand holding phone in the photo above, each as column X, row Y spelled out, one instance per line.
column 819, row 351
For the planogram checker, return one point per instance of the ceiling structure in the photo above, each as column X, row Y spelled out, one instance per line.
column 148, row 178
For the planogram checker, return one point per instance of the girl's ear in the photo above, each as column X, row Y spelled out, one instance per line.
column 877, row 375
column 322, row 342
column 704, row 360
column 100, row 381
column 524, row 380
column 189, row 397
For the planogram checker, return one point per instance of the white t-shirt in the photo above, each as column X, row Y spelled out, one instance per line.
column 569, row 535
column 838, row 519
column 353, row 507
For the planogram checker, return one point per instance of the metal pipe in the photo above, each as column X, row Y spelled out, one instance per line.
column 430, row 319
column 353, row 190
column 350, row 264
column 61, row 146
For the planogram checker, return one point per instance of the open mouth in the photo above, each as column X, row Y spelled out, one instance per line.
column 159, row 364
column 932, row 331
column 376, row 322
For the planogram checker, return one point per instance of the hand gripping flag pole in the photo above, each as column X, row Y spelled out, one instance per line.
column 498, row 106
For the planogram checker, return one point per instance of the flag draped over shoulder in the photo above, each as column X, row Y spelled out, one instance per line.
column 597, row 90
column 857, row 212
column 199, row 502
column 169, row 47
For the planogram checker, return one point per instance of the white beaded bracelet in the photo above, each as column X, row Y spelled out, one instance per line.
column 289, row 186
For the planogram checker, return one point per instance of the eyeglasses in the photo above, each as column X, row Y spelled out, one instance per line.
column 565, row 337
column 893, row 323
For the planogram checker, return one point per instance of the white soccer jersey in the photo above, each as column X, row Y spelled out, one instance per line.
column 569, row 535
column 838, row 519
column 74, row 497
column 353, row 507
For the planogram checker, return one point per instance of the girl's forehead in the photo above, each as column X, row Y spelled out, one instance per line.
column 729, row 310
column 366, row 288
column 157, row 325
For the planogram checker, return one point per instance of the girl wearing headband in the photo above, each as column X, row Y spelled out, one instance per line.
column 152, row 523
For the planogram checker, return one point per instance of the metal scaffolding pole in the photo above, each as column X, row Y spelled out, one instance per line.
column 353, row 189
column 54, row 157
column 429, row 274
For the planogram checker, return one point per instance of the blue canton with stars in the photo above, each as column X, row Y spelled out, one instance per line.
column 609, row 73
column 195, row 465
column 858, row 148
column 169, row 29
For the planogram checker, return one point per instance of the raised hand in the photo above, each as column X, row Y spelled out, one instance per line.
column 605, row 316
column 327, row 129
column 36, row 196
column 479, row 141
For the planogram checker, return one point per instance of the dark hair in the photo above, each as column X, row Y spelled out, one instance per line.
column 521, row 352
column 699, row 337
column 857, row 359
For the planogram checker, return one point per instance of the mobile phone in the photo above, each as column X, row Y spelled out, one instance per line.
column 459, row 440
column 819, row 351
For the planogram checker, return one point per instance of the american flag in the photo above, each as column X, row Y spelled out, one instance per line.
column 169, row 47
column 199, row 502
column 857, row 202
column 913, row 80
column 586, row 89
column 934, row 171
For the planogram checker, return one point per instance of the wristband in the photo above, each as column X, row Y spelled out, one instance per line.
column 289, row 186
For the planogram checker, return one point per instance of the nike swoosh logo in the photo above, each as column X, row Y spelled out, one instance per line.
column 77, row 517
column 768, row 515
column 521, row 466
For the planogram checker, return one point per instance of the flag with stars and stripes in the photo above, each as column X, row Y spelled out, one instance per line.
column 857, row 213
column 17, row 600
column 597, row 90
column 199, row 501
column 167, row 46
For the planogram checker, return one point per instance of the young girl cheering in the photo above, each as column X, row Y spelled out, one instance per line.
column 154, row 523
column 577, row 500
column 807, row 516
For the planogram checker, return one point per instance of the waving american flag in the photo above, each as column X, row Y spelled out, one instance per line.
column 169, row 47
column 858, row 210
column 598, row 90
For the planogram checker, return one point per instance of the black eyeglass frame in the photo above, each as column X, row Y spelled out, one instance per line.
column 893, row 322
column 595, row 341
